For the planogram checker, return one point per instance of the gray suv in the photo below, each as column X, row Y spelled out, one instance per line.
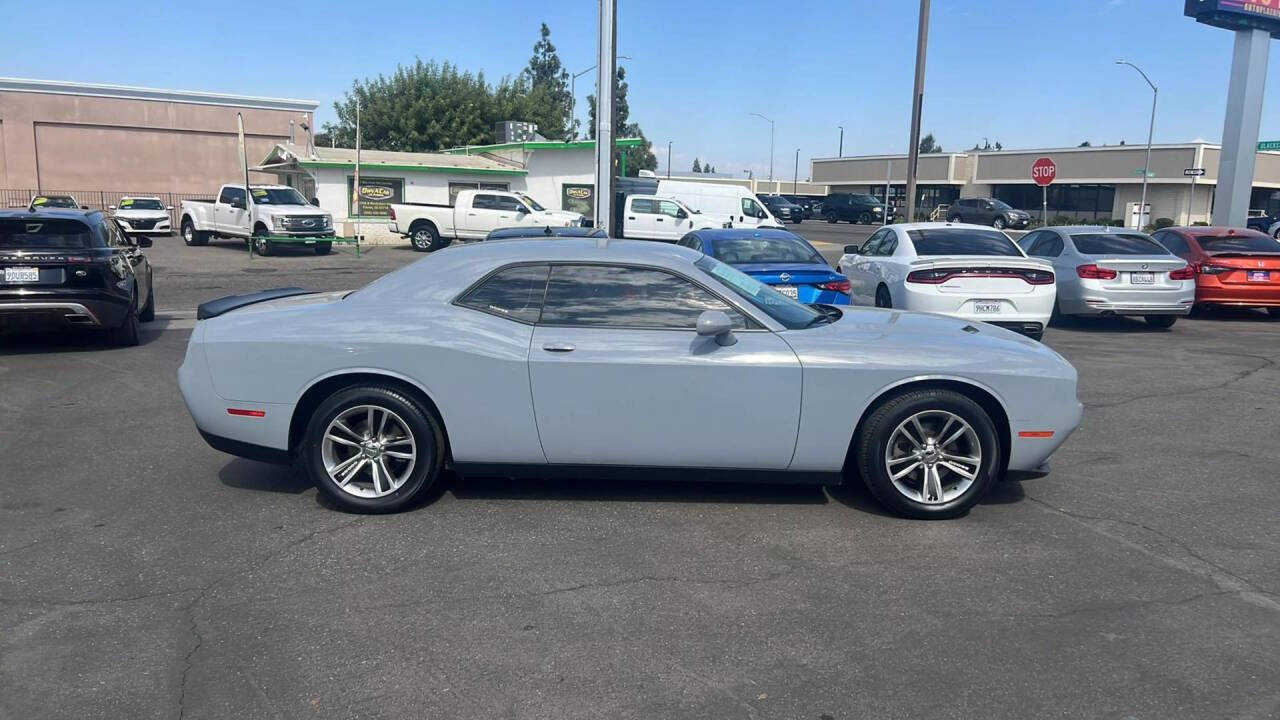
column 988, row 211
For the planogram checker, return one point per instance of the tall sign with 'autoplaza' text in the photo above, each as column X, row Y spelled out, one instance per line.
column 1255, row 23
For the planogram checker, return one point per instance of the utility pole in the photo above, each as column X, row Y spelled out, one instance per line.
column 606, row 80
column 1146, row 167
column 841, row 152
column 770, row 143
column 917, row 106
column 795, row 179
column 668, row 159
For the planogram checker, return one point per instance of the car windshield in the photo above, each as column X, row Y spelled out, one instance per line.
column 866, row 198
column 962, row 241
column 789, row 313
column 1238, row 244
column 35, row 232
column 277, row 196
column 779, row 249
column 140, row 204
column 1116, row 244
column 532, row 203
column 54, row 201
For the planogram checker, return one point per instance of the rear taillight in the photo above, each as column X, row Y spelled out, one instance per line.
column 1207, row 269
column 929, row 277
column 1093, row 272
column 393, row 213
column 1183, row 273
column 837, row 285
column 939, row 276
column 1038, row 277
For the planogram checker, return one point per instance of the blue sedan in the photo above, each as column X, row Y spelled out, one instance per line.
column 778, row 258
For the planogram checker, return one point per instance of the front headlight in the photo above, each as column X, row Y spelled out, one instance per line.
column 327, row 221
column 277, row 222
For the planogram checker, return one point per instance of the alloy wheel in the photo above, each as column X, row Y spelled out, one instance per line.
column 933, row 457
column 368, row 451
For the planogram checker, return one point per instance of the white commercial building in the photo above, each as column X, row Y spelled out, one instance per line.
column 559, row 175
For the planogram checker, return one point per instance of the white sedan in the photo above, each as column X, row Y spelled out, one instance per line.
column 966, row 271
column 589, row 357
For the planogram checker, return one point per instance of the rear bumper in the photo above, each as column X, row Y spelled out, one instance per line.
column 1015, row 309
column 1242, row 297
column 1097, row 306
column 54, row 312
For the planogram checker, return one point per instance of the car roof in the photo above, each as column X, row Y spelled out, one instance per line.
column 571, row 249
column 1202, row 230
column 1077, row 229
column 714, row 234
column 65, row 213
column 941, row 226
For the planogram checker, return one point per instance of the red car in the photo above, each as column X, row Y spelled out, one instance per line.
column 1233, row 266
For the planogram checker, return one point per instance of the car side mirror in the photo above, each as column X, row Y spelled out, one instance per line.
column 111, row 207
column 716, row 324
column 681, row 215
column 851, row 249
column 314, row 201
column 169, row 208
column 84, row 207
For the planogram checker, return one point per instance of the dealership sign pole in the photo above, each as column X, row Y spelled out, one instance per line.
column 606, row 78
column 1043, row 172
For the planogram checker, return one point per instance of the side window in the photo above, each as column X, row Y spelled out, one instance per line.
column 1173, row 243
column 873, row 243
column 506, row 203
column 110, row 235
column 514, row 293
column 691, row 241
column 1028, row 241
column 609, row 296
column 232, row 194
column 483, row 202
column 750, row 208
column 888, row 245
column 643, row 206
column 668, row 208
column 225, row 196
column 1047, row 245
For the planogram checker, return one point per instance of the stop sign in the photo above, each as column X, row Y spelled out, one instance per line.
column 1043, row 171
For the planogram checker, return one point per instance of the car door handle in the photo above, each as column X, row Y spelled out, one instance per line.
column 558, row 347
column 659, row 219
column 631, row 217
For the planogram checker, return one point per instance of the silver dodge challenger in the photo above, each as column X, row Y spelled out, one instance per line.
column 550, row 358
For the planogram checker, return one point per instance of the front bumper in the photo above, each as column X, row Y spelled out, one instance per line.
column 159, row 228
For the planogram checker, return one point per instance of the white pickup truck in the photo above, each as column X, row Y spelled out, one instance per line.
column 472, row 216
column 653, row 217
column 278, row 210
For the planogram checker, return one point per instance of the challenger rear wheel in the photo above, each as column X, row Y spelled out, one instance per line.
column 373, row 449
column 928, row 454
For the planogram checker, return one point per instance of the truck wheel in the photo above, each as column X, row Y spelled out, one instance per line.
column 424, row 238
column 323, row 248
column 191, row 236
column 830, row 218
column 864, row 218
column 261, row 244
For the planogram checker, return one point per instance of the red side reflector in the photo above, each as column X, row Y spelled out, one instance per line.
column 1035, row 433
column 246, row 413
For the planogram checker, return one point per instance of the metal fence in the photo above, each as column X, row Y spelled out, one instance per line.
column 100, row 199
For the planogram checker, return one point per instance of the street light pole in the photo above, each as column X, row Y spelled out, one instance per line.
column 1146, row 167
column 770, row 143
column 573, row 90
column 917, row 106
column 668, row 159
column 841, row 153
column 795, row 179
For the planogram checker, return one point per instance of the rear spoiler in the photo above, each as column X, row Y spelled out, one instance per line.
column 214, row 308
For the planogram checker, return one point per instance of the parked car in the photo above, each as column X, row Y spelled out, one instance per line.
column 601, row 360
column 143, row 216
column 650, row 217
column 1239, row 267
column 50, row 202
column 782, row 208
column 811, row 205
column 544, row 231
column 967, row 271
column 473, row 214
column 733, row 202
column 853, row 207
column 1110, row 271
column 1262, row 222
column 277, row 210
column 988, row 211
column 782, row 260
column 64, row 269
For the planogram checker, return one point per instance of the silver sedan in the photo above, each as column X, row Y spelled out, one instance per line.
column 1114, row 271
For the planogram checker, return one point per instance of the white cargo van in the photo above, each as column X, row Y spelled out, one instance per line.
column 714, row 199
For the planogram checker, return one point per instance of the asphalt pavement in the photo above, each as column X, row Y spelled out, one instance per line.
column 143, row 574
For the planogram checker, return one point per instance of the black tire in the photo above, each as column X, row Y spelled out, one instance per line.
column 797, row 221
column 191, row 236
column 128, row 333
column 424, row 238
column 878, row 429
column 831, row 219
column 324, row 248
column 261, row 244
column 149, row 310
column 864, row 218
column 998, row 223
column 1160, row 321
column 955, row 219
column 425, row 428
column 1274, row 313
column 883, row 298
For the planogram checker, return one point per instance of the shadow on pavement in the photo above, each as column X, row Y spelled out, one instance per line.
column 577, row 489
column 74, row 340
column 249, row 475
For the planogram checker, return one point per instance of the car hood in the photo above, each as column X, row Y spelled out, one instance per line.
column 290, row 210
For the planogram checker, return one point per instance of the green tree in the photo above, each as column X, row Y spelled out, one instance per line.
column 928, row 145
column 1086, row 143
column 638, row 158
column 697, row 166
column 548, row 100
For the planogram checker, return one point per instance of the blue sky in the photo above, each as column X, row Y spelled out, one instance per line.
column 1029, row 73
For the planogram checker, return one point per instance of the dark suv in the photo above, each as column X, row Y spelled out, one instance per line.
column 783, row 209
column 988, row 211
column 853, row 207
column 68, row 269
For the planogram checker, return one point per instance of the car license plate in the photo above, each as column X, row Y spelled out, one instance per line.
column 1142, row 278
column 21, row 274
column 985, row 307
column 789, row 290
column 1259, row 276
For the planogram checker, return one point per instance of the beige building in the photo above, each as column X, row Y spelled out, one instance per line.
column 1092, row 184
column 100, row 141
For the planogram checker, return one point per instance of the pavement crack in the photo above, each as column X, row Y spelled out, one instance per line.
column 655, row 579
column 1226, row 581
column 96, row 601
column 1133, row 605
column 1237, row 377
